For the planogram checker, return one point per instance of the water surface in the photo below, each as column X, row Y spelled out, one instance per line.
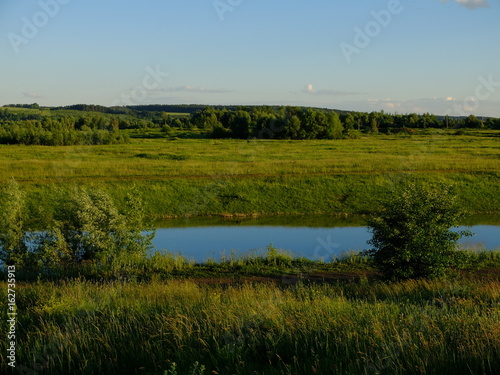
column 311, row 237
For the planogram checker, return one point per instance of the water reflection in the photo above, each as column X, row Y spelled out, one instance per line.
column 313, row 237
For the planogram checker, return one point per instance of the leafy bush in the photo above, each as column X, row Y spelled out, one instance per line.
column 412, row 236
column 87, row 228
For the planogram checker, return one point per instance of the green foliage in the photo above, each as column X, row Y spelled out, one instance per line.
column 13, row 247
column 42, row 128
column 270, row 123
column 196, row 369
column 263, row 122
column 412, row 236
column 278, row 258
column 166, row 129
column 87, row 226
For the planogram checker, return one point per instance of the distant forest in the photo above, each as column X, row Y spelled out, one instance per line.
column 94, row 124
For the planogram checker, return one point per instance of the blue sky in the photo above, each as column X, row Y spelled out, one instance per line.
column 397, row 55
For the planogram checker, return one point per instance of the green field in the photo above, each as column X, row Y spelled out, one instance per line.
column 185, row 176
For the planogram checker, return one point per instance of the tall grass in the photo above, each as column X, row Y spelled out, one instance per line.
column 412, row 327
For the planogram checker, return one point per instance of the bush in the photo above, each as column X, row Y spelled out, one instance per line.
column 13, row 239
column 87, row 228
column 412, row 236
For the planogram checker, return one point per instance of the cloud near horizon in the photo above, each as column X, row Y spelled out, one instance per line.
column 31, row 95
column 194, row 89
column 309, row 89
column 471, row 4
column 436, row 105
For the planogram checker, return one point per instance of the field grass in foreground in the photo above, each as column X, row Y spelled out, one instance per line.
column 413, row 327
column 203, row 177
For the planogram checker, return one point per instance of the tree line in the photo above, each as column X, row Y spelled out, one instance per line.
column 88, row 124
column 33, row 129
column 315, row 123
column 268, row 122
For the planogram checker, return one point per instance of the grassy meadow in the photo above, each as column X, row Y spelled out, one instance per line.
column 185, row 176
column 187, row 327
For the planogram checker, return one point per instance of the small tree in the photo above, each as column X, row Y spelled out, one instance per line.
column 412, row 236
column 87, row 226
column 92, row 228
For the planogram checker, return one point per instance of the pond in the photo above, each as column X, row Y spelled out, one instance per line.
column 316, row 237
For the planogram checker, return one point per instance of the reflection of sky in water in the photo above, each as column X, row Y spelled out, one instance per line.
column 485, row 237
column 200, row 243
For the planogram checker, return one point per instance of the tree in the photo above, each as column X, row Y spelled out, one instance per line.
column 309, row 124
column 373, row 122
column 92, row 228
column 292, row 128
column 240, row 124
column 412, row 236
column 87, row 226
column 472, row 122
column 334, row 128
column 350, row 121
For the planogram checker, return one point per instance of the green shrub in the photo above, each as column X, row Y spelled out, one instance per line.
column 412, row 236
column 13, row 241
column 87, row 227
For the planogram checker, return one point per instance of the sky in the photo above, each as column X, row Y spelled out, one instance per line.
column 400, row 56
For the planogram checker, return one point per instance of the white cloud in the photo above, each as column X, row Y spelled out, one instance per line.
column 194, row 89
column 309, row 89
column 471, row 4
column 31, row 95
